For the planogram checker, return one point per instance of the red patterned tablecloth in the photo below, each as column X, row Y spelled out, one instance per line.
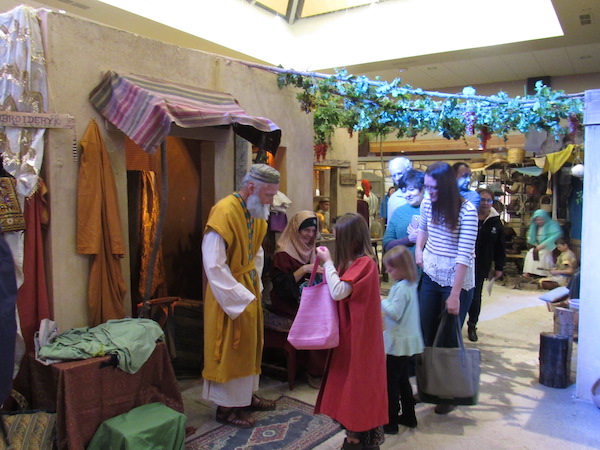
column 84, row 394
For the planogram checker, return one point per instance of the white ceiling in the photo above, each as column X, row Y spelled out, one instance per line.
column 577, row 52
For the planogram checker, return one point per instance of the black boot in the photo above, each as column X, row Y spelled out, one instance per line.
column 408, row 420
column 391, row 428
column 472, row 332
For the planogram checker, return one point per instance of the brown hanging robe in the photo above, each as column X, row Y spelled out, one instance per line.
column 99, row 230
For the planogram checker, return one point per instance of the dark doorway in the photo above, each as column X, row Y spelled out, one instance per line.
column 190, row 177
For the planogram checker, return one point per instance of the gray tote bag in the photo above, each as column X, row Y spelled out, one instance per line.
column 448, row 375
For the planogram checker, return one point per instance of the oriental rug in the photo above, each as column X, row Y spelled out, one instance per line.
column 291, row 426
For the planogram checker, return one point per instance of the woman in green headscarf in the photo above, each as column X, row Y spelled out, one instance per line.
column 542, row 235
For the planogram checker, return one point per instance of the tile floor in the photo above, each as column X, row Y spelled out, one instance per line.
column 514, row 411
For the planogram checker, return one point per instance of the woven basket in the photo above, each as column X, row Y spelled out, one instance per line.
column 515, row 155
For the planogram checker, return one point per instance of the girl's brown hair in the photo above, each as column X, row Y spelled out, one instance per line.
column 399, row 257
column 446, row 208
column 352, row 240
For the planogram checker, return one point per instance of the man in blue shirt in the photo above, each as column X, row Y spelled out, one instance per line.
column 463, row 178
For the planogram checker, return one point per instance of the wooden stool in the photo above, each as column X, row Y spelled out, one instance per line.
column 276, row 333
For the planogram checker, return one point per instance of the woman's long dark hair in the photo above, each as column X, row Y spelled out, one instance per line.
column 352, row 240
column 446, row 208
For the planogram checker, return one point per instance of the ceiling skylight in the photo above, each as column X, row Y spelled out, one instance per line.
column 380, row 31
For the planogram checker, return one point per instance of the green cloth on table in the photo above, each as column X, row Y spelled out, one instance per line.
column 150, row 427
column 133, row 340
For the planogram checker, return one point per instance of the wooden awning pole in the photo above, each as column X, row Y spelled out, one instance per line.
column 145, row 311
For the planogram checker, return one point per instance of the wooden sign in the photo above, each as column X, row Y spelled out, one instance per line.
column 36, row 120
column 347, row 178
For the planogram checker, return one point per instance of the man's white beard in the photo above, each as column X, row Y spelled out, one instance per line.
column 256, row 208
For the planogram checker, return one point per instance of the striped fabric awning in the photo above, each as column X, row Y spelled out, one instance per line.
column 144, row 108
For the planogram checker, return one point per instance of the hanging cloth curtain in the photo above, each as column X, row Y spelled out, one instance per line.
column 144, row 108
column 23, row 88
column 99, row 230
column 554, row 161
column 33, row 302
column 149, row 212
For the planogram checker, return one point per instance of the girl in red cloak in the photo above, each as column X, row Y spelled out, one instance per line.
column 354, row 388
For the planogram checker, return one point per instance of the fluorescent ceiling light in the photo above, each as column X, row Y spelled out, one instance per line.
column 391, row 30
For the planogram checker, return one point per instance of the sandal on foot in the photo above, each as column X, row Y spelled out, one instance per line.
column 261, row 404
column 234, row 417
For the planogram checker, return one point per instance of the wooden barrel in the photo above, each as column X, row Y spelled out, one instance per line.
column 555, row 360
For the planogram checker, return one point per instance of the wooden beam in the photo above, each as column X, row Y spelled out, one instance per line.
column 421, row 145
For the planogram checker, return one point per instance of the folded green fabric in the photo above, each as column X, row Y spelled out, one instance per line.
column 133, row 340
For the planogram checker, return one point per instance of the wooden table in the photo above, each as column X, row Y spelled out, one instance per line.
column 85, row 393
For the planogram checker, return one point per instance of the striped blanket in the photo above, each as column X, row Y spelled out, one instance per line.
column 144, row 108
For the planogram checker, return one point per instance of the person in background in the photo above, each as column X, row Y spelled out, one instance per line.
column 398, row 168
column 445, row 250
column 353, row 391
column 233, row 318
column 402, row 227
column 463, row 178
column 401, row 336
column 323, row 215
column 362, row 207
column 542, row 235
column 489, row 250
column 292, row 265
column 566, row 264
column 383, row 205
column 372, row 201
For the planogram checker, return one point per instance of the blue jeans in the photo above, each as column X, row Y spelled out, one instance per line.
column 432, row 304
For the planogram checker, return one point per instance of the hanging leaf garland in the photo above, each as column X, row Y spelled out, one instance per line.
column 379, row 108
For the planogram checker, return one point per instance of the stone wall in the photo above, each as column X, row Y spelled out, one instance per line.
column 78, row 54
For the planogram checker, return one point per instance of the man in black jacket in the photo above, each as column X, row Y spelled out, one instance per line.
column 489, row 249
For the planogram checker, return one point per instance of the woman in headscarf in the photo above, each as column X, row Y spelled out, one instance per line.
column 542, row 234
column 292, row 264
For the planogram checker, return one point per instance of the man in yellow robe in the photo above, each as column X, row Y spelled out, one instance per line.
column 233, row 318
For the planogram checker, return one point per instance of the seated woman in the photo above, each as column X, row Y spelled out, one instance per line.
column 292, row 264
column 542, row 235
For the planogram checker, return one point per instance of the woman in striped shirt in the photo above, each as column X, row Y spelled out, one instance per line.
column 445, row 249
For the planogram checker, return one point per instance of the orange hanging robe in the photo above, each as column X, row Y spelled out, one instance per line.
column 99, row 230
